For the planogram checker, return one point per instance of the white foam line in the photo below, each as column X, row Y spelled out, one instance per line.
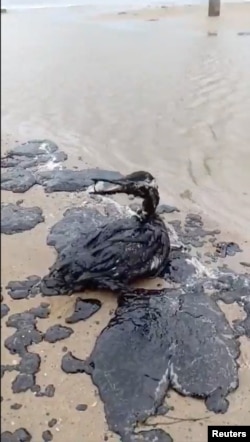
column 50, row 165
column 162, row 384
column 173, row 233
column 44, row 147
column 175, row 381
column 49, row 6
column 201, row 269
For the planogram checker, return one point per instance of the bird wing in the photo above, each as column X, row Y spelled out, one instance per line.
column 123, row 248
column 115, row 250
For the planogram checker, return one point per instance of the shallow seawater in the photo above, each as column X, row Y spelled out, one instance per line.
column 98, row 3
column 166, row 95
column 123, row 93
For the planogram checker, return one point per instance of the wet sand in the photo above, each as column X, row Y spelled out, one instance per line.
column 125, row 94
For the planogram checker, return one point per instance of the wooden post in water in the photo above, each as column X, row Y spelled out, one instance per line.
column 213, row 8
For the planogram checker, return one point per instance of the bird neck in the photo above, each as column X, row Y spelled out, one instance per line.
column 150, row 202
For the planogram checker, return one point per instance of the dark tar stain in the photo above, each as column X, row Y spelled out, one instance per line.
column 195, row 352
column 57, row 332
column 84, row 309
column 52, row 423
column 49, row 391
column 81, row 407
column 23, row 382
column 4, row 310
column 68, row 180
column 20, row 435
column 165, row 208
column 24, row 289
column 22, row 164
column 25, row 335
column 47, row 436
column 226, row 248
column 16, row 219
column 71, row 364
column 16, row 406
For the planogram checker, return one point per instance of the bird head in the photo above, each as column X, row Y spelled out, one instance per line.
column 136, row 183
column 139, row 184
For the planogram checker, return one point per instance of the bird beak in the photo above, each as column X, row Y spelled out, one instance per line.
column 109, row 187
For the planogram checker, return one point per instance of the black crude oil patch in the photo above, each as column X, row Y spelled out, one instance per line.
column 67, row 180
column 245, row 264
column 56, row 333
column 232, row 288
column 20, row 180
column 49, row 391
column 16, row 218
column 227, row 285
column 33, row 153
column 47, row 436
column 16, row 406
column 243, row 326
column 244, row 33
column 193, row 234
column 23, row 382
column 52, row 422
column 180, row 267
column 81, row 407
column 4, row 310
column 71, row 364
column 20, row 435
column 226, row 248
column 75, row 224
column 23, row 164
column 165, row 208
column 194, row 350
column 84, row 309
column 30, row 287
column 25, row 335
column 17, row 180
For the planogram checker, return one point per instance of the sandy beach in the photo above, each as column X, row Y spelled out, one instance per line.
column 160, row 89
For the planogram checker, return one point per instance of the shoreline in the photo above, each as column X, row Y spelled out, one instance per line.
column 106, row 119
column 123, row 9
column 174, row 11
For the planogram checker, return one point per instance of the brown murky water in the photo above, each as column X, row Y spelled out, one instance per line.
column 169, row 96
column 160, row 95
